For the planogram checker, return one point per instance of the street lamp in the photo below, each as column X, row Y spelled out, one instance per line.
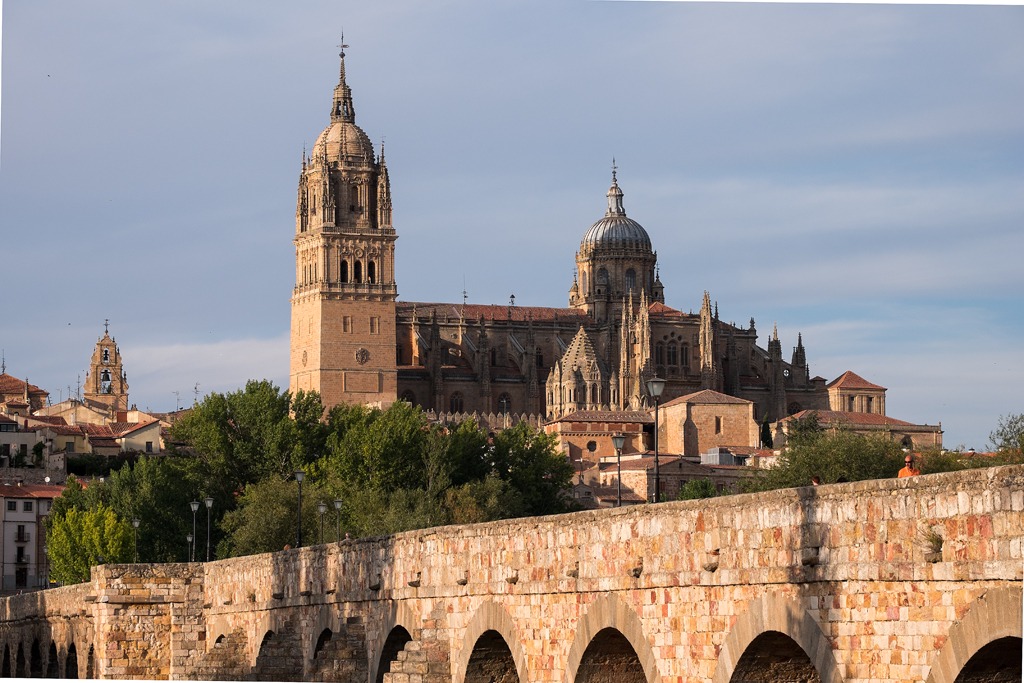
column 618, row 441
column 209, row 506
column 655, row 386
column 135, row 526
column 188, row 552
column 195, row 508
column 321, row 507
column 337, row 513
column 299, row 476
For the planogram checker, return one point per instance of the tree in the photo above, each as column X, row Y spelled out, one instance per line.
column 247, row 435
column 830, row 456
column 80, row 539
column 1008, row 436
column 532, row 463
column 696, row 489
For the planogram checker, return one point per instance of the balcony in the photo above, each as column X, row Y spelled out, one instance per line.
column 22, row 537
column 22, row 559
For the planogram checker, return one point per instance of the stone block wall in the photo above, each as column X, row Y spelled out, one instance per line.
column 854, row 573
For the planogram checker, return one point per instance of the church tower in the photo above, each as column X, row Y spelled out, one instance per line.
column 106, row 382
column 343, row 336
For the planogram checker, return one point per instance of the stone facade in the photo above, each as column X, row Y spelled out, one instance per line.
column 693, row 424
column 353, row 341
column 914, row 579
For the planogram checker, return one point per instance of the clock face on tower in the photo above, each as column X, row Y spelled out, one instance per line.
column 362, row 356
column 785, row 373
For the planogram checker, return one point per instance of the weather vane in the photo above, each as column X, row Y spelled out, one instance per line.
column 342, row 46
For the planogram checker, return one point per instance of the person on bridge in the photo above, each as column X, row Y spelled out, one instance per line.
column 908, row 467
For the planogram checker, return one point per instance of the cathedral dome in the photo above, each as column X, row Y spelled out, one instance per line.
column 343, row 139
column 615, row 230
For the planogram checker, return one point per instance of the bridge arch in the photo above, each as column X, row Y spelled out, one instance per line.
column 604, row 616
column 776, row 613
column 994, row 615
column 398, row 630
column 490, row 617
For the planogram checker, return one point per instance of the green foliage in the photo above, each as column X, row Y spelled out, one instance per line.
column 1008, row 436
column 37, row 453
column 157, row 491
column 481, row 501
column 79, row 539
column 247, row 435
column 831, row 455
column 530, row 461
column 806, row 430
column 695, row 489
column 265, row 518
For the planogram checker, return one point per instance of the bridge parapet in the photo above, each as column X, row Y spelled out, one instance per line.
column 868, row 578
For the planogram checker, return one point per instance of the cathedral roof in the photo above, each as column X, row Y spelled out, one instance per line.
column 616, row 230
column 851, row 380
column 487, row 311
column 581, row 354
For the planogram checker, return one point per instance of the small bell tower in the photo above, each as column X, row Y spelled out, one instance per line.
column 106, row 381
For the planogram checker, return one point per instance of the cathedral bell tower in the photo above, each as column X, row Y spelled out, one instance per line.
column 343, row 304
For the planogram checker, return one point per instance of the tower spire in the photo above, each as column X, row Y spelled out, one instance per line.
column 614, row 195
column 341, row 107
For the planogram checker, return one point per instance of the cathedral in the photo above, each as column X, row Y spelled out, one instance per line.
column 353, row 341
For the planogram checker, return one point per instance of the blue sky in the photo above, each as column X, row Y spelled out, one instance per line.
column 851, row 172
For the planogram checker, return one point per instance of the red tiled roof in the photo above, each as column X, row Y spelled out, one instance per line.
column 49, row 419
column 13, row 385
column 851, row 380
column 487, row 311
column 607, row 416
column 659, row 309
column 4, row 418
column 707, row 396
column 30, row 491
column 852, row 419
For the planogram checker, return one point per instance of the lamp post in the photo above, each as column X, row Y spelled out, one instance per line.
column 655, row 386
column 188, row 552
column 321, row 507
column 135, row 527
column 618, row 441
column 195, row 508
column 299, row 476
column 337, row 514
column 209, row 506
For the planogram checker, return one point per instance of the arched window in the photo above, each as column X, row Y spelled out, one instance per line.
column 344, row 271
column 595, row 394
column 659, row 353
column 455, row 402
column 359, row 272
column 672, row 349
column 504, row 404
column 409, row 397
column 585, row 282
column 686, row 355
column 371, row 272
column 602, row 276
column 630, row 279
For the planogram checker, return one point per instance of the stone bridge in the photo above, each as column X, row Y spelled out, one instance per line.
column 905, row 580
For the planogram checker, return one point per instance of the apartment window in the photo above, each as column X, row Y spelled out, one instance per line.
column 26, row 506
column 149, row 446
column 12, row 506
column 69, row 447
